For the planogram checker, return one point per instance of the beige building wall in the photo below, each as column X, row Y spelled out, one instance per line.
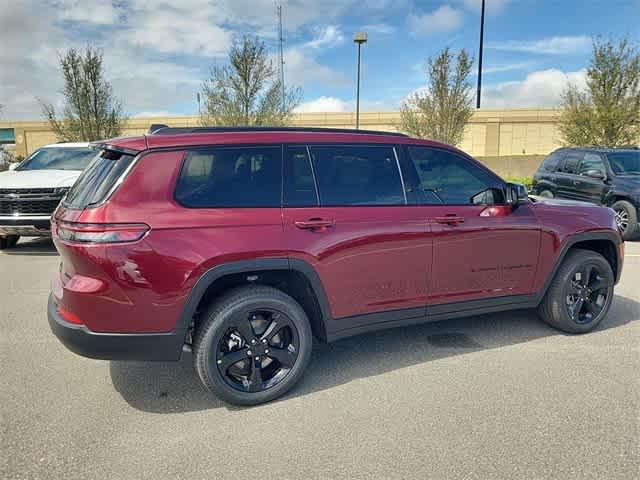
column 494, row 134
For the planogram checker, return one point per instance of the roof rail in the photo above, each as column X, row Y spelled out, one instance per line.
column 602, row 147
column 158, row 129
column 154, row 127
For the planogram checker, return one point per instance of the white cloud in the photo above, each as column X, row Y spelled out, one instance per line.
column 551, row 45
column 295, row 13
column 508, row 67
column 539, row 89
column 443, row 19
column 148, row 86
column 100, row 12
column 301, row 68
column 326, row 37
column 176, row 27
column 323, row 104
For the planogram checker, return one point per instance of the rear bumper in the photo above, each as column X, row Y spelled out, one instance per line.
column 114, row 346
column 35, row 226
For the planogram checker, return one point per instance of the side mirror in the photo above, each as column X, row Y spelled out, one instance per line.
column 515, row 193
column 13, row 166
column 597, row 174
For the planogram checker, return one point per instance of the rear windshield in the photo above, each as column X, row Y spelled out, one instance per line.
column 98, row 179
column 59, row 158
column 624, row 163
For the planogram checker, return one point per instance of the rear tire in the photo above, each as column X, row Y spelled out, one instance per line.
column 626, row 219
column 253, row 345
column 8, row 241
column 580, row 294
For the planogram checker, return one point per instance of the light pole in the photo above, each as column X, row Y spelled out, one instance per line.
column 480, row 57
column 359, row 38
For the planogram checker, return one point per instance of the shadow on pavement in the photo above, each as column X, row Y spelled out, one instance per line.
column 33, row 246
column 175, row 387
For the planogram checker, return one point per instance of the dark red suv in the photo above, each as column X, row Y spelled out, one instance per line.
column 243, row 244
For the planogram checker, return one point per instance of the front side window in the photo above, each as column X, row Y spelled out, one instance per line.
column 452, row 179
column 623, row 163
column 59, row 158
column 357, row 175
column 231, row 177
column 591, row 161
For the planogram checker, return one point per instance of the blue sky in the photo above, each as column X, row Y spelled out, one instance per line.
column 157, row 53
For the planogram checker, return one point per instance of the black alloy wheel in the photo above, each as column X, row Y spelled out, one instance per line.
column 580, row 294
column 252, row 345
column 258, row 351
column 587, row 293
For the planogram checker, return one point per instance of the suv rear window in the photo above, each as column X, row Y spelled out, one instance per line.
column 231, row 177
column 96, row 182
column 550, row 164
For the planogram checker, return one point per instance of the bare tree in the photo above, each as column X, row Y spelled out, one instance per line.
column 607, row 112
column 441, row 111
column 247, row 91
column 91, row 112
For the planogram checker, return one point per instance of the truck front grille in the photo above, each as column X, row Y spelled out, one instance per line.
column 29, row 201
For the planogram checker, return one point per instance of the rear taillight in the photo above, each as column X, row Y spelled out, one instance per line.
column 100, row 232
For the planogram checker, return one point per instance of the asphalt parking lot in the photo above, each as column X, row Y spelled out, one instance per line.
column 496, row 396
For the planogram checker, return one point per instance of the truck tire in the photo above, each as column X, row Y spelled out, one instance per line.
column 626, row 218
column 253, row 345
column 580, row 294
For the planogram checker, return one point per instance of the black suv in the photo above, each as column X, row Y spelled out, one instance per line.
column 606, row 176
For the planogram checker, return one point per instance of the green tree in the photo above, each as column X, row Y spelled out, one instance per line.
column 442, row 110
column 607, row 112
column 247, row 91
column 91, row 112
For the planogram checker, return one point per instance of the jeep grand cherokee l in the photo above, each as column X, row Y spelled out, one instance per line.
column 605, row 176
column 243, row 244
column 31, row 192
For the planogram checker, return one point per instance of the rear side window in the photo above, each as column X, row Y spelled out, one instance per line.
column 571, row 162
column 299, row 184
column 357, row 175
column 550, row 164
column 231, row 177
column 99, row 178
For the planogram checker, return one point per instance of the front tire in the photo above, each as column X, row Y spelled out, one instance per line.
column 580, row 294
column 626, row 219
column 546, row 193
column 253, row 345
column 9, row 241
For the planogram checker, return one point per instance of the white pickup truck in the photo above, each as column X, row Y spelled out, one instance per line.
column 31, row 190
